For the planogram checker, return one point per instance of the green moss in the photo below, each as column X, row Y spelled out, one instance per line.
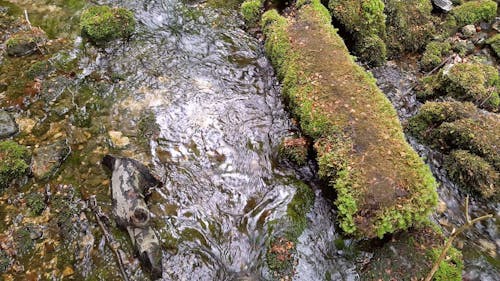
column 494, row 43
column 428, row 87
column 36, row 203
column 329, row 112
column 472, row 12
column 410, row 25
column 433, row 114
column 474, row 82
column 103, row 23
column 434, row 52
column 294, row 149
column 251, row 10
column 24, row 243
column 472, row 172
column 14, row 162
column 450, row 269
column 25, row 42
column 365, row 20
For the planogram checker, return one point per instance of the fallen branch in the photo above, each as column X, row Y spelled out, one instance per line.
column 113, row 244
column 27, row 19
column 440, row 65
column 469, row 223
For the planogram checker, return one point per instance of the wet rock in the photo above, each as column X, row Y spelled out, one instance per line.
column 48, row 158
column 8, row 126
column 129, row 182
column 469, row 31
column 25, row 43
column 443, row 5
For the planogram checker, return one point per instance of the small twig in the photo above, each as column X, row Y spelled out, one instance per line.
column 109, row 238
column 27, row 18
column 491, row 94
column 469, row 223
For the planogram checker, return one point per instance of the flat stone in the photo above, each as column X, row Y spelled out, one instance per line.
column 443, row 5
column 8, row 126
column 48, row 158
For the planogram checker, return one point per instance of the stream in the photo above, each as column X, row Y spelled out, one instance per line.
column 193, row 95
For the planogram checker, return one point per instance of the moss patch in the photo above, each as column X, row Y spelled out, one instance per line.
column 14, row 162
column 494, row 43
column 473, row 173
column 410, row 25
column 472, row 12
column 365, row 20
column 25, row 42
column 251, row 10
column 410, row 256
column 382, row 184
column 433, row 55
column 103, row 23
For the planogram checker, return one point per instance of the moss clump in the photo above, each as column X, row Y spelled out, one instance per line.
column 361, row 150
column 103, row 23
column 410, row 25
column 472, row 12
column 4, row 261
column 433, row 114
column 251, row 10
column 14, row 162
column 494, row 43
column 25, row 43
column 36, row 203
column 295, row 150
column 434, row 52
column 24, row 243
column 474, row 82
column 365, row 20
column 39, row 69
column 473, row 172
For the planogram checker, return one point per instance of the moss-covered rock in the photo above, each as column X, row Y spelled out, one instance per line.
column 433, row 55
column 472, row 172
column 472, row 12
column 103, row 23
column 14, row 162
column 365, row 20
column 251, row 10
column 361, row 150
column 478, row 83
column 475, row 82
column 294, row 149
column 410, row 25
column 25, row 42
column 494, row 43
column 450, row 269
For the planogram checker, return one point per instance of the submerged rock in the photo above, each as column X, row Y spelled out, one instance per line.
column 130, row 181
column 8, row 126
column 25, row 43
column 48, row 158
column 443, row 5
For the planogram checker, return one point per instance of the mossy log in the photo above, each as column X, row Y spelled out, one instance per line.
column 382, row 184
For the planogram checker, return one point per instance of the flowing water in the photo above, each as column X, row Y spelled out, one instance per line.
column 192, row 95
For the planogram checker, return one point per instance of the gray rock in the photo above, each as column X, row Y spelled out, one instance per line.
column 25, row 43
column 496, row 24
column 8, row 126
column 48, row 158
column 130, row 180
column 443, row 5
column 469, row 30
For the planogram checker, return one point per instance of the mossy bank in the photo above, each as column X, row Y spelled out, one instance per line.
column 382, row 184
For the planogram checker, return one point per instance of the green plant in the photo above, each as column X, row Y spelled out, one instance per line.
column 472, row 12
column 36, row 203
column 434, row 52
column 14, row 162
column 251, row 10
